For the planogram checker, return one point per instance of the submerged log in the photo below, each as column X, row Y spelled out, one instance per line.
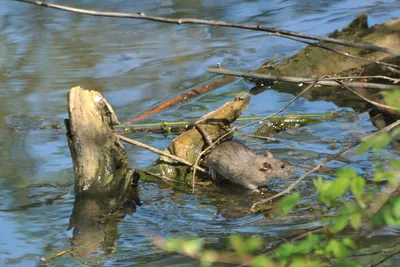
column 99, row 158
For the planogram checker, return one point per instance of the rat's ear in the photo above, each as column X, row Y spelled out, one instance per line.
column 268, row 154
column 266, row 167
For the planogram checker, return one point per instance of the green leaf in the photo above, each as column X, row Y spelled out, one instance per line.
column 285, row 250
column 355, row 221
column 346, row 172
column 381, row 141
column 376, row 142
column 208, row 256
column 324, row 191
column 389, row 219
column 193, row 246
column 262, row 261
column 392, row 98
column 379, row 176
column 238, row 244
column 174, row 245
column 288, row 202
column 391, row 176
column 307, row 245
column 396, row 208
column 349, row 243
column 110, row 178
column 336, row 249
column 357, row 187
column 395, row 162
column 340, row 223
column 339, row 187
column 254, row 243
column 364, row 147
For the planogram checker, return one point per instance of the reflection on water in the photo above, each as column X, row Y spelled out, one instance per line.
column 135, row 64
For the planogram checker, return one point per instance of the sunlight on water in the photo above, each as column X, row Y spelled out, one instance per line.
column 135, row 64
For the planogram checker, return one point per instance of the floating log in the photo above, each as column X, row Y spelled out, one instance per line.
column 189, row 144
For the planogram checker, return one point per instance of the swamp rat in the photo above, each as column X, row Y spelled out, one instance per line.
column 236, row 163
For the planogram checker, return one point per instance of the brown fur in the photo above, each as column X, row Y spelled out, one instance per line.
column 235, row 162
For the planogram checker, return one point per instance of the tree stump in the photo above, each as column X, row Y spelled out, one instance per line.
column 99, row 158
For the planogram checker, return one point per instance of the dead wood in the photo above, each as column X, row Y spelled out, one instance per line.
column 189, row 144
column 100, row 164
column 179, row 99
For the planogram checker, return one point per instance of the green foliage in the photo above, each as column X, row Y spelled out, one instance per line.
column 262, row 261
column 188, row 246
column 336, row 249
column 357, row 188
column 244, row 246
column 347, row 198
column 376, row 142
column 347, row 178
column 355, row 220
column 392, row 98
column 288, row 202
column 208, row 257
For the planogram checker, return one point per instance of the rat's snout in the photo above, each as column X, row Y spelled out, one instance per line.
column 290, row 170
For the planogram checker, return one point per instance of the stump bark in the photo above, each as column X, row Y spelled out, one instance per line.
column 99, row 158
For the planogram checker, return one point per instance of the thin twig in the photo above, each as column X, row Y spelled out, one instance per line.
column 381, row 200
column 152, row 149
column 394, row 80
column 265, row 138
column 320, row 45
column 244, row 126
column 56, row 255
column 256, row 27
column 366, row 99
column 256, row 205
column 300, row 79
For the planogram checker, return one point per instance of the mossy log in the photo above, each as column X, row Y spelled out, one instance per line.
column 189, row 144
column 313, row 61
column 99, row 158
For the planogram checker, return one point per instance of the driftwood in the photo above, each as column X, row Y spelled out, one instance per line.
column 190, row 144
column 197, row 91
column 100, row 164
column 312, row 61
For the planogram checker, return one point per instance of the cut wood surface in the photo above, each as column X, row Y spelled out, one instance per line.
column 99, row 159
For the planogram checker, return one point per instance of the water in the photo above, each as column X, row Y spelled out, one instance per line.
column 135, row 64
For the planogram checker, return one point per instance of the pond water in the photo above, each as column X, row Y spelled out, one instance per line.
column 135, row 64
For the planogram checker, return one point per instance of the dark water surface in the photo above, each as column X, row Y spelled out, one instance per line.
column 135, row 64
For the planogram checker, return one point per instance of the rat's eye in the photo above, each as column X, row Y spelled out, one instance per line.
column 282, row 166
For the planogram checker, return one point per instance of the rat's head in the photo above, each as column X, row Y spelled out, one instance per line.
column 271, row 167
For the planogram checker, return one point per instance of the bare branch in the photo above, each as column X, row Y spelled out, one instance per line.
column 300, row 79
column 394, row 80
column 366, row 99
column 256, row 27
column 152, row 149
